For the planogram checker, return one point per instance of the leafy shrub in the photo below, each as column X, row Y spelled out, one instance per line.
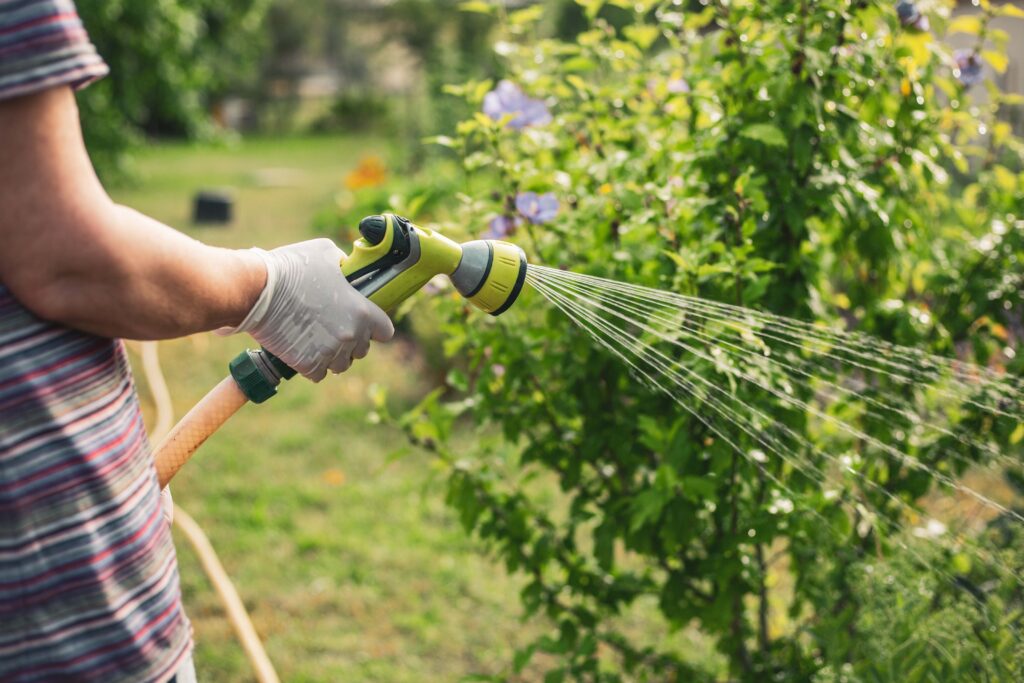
column 168, row 61
column 355, row 112
column 822, row 160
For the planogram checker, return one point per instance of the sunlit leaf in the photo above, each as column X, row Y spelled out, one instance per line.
column 998, row 60
column 1010, row 10
column 765, row 133
column 591, row 7
column 965, row 23
column 1018, row 434
column 643, row 35
column 917, row 44
column 479, row 6
column 526, row 15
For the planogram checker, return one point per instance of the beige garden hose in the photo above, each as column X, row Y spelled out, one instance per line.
column 199, row 423
column 174, row 450
column 233, row 605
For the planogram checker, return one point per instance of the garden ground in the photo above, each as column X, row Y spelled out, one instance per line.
column 349, row 562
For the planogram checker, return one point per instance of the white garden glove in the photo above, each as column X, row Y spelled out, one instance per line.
column 308, row 314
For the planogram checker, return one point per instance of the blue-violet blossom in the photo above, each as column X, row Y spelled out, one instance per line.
column 537, row 208
column 910, row 16
column 968, row 67
column 508, row 98
column 501, row 226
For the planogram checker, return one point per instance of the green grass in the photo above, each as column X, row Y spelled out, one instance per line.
column 350, row 564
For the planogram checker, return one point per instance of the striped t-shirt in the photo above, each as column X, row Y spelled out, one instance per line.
column 88, row 577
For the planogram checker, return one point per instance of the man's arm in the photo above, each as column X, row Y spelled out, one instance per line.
column 73, row 256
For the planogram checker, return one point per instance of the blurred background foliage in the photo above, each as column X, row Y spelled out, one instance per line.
column 193, row 69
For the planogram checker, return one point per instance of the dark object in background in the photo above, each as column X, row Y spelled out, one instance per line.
column 212, row 207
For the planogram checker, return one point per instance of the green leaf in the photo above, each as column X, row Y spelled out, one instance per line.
column 705, row 270
column 442, row 140
column 522, row 658
column 698, row 489
column 578, row 64
column 1017, row 435
column 643, row 34
column 604, row 545
column 765, row 133
column 577, row 82
column 527, row 15
column 1010, row 10
column 479, row 6
column 591, row 7
column 456, row 379
column 998, row 60
column 555, row 675
column 695, row 21
column 965, row 23
column 917, row 44
column 646, row 507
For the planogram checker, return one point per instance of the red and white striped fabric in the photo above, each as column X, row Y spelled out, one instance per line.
column 88, row 577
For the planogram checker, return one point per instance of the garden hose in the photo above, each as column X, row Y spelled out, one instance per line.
column 234, row 608
column 393, row 259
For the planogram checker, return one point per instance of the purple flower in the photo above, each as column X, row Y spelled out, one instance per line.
column 968, row 69
column 677, row 86
column 508, row 98
column 537, row 208
column 673, row 86
column 501, row 226
column 911, row 17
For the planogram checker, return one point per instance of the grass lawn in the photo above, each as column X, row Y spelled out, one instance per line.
column 351, row 566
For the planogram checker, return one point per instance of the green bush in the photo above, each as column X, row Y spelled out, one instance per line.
column 169, row 61
column 822, row 160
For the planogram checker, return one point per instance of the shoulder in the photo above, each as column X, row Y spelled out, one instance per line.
column 43, row 44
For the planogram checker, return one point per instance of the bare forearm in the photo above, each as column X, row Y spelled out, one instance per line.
column 140, row 279
column 71, row 255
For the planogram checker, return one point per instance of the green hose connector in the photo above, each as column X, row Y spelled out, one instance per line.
column 258, row 372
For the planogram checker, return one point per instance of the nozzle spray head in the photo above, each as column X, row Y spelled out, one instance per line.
column 491, row 274
column 395, row 258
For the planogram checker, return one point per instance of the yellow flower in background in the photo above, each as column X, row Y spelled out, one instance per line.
column 370, row 172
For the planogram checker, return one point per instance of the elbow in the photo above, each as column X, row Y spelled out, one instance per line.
column 54, row 273
column 44, row 294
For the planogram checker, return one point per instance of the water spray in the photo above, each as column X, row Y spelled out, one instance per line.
column 392, row 260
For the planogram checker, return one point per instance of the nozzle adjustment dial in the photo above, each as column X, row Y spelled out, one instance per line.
column 373, row 229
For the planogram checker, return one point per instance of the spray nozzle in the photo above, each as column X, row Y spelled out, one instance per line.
column 391, row 262
column 395, row 258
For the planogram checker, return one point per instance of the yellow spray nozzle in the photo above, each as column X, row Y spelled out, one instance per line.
column 395, row 258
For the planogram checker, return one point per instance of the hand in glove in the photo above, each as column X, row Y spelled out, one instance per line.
column 308, row 314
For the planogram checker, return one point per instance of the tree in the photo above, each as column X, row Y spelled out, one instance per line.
column 169, row 62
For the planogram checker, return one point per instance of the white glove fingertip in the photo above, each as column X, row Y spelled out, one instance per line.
column 381, row 327
column 362, row 348
column 340, row 364
column 320, row 376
